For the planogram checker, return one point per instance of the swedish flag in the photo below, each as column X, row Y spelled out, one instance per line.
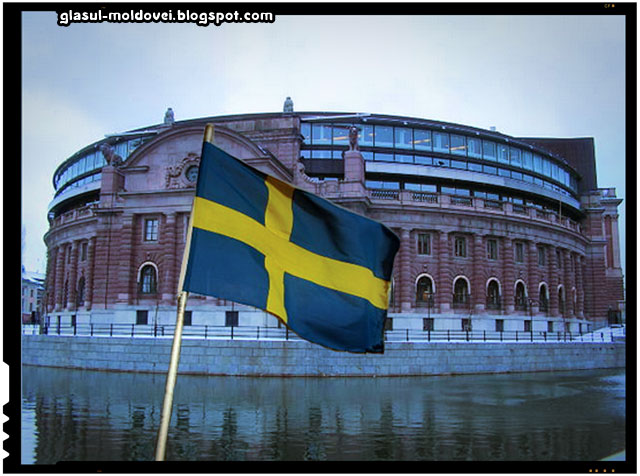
column 323, row 270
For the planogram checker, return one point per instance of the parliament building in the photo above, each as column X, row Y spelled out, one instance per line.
column 497, row 233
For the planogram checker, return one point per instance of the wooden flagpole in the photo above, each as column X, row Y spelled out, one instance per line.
column 172, row 374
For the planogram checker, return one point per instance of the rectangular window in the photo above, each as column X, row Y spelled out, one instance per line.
column 504, row 173
column 187, row 318
column 340, row 135
column 460, row 246
column 366, row 135
column 321, row 134
column 527, row 160
column 441, row 142
column 305, row 131
column 423, row 160
column 407, row 159
column 503, row 153
column 474, row 167
column 403, row 138
column 474, row 147
column 519, row 249
column 421, row 187
column 537, row 163
column 489, row 150
column 427, row 324
column 231, row 318
column 424, row 243
column 388, row 324
column 542, row 256
column 499, row 325
column 459, row 164
column 466, row 324
column 559, row 259
column 383, row 136
column 383, row 157
column 516, row 157
column 492, row 249
column 83, row 251
column 458, row 145
column 549, row 326
column 151, row 229
column 527, row 326
column 546, row 167
column 142, row 318
column 487, row 169
column 422, row 139
column 321, row 154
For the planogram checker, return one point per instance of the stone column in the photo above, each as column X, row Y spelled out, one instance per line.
column 508, row 276
column 126, row 274
column 553, row 281
column 569, row 284
column 579, row 285
column 444, row 286
column 51, row 278
column 479, row 263
column 73, row 277
column 405, row 286
column 59, row 287
column 91, row 247
column 534, row 277
column 168, row 282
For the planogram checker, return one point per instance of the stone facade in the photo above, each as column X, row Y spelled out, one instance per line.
column 115, row 244
column 297, row 359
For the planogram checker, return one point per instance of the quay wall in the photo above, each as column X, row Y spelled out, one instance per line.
column 297, row 358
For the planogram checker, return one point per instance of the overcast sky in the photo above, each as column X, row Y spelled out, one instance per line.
column 534, row 76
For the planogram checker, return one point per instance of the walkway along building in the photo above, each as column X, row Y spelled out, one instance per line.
column 497, row 232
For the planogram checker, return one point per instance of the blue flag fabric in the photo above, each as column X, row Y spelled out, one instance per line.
column 322, row 270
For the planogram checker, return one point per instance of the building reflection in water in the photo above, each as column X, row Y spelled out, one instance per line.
column 100, row 416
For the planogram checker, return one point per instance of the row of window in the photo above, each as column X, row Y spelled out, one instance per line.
column 79, row 183
column 425, row 292
column 428, row 325
column 94, row 161
column 436, row 141
column 231, row 318
column 447, row 163
column 460, row 250
column 456, row 191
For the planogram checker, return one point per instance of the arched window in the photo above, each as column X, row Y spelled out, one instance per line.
column 493, row 294
column 543, row 298
column 148, row 280
column 460, row 293
column 424, row 291
column 80, row 295
column 520, row 296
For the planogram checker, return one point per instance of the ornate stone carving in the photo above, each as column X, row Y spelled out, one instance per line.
column 288, row 105
column 353, row 138
column 169, row 118
column 176, row 176
column 110, row 155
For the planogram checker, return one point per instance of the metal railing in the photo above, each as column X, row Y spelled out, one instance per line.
column 207, row 332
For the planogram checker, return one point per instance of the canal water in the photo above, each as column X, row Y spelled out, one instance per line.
column 73, row 415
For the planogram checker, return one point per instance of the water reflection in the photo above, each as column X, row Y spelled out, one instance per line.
column 92, row 416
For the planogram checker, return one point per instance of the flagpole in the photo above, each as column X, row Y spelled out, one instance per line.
column 161, row 445
column 172, row 374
